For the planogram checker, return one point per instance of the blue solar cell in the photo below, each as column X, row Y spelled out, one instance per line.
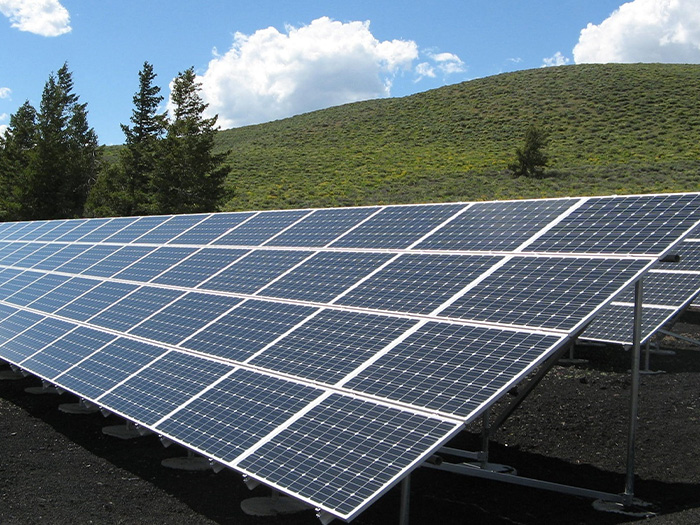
column 154, row 264
column 44, row 284
column 135, row 307
column 162, row 387
column 119, row 260
column 452, row 368
column 18, row 282
column 332, row 344
column 33, row 339
column 91, row 256
column 6, row 274
column 6, row 228
column 6, row 248
column 177, row 225
column 16, row 323
column 21, row 229
column 348, row 450
column 545, row 292
column 65, row 352
column 322, row 227
column 496, row 225
column 236, row 413
column 37, row 255
column 110, row 366
column 211, row 228
column 254, row 271
column 62, row 228
column 65, row 254
column 184, row 317
column 247, row 328
column 199, row 267
column 37, row 229
column 96, row 300
column 20, row 253
column 397, row 226
column 106, row 229
column 260, row 228
column 418, row 283
column 82, row 230
column 642, row 224
column 136, row 229
column 325, row 276
column 665, row 288
column 63, row 294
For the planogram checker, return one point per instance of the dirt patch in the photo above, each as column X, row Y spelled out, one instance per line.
column 56, row 468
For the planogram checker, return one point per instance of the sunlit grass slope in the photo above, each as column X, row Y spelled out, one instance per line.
column 612, row 128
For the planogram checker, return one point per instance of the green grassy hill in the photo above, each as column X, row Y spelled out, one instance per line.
column 612, row 128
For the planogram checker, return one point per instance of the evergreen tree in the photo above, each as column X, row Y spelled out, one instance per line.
column 530, row 159
column 16, row 156
column 67, row 153
column 189, row 177
column 124, row 188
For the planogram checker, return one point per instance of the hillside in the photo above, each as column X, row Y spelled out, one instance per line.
column 613, row 129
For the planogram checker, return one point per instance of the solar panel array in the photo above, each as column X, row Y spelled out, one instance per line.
column 667, row 290
column 323, row 352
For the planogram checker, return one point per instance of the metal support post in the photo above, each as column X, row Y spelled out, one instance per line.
column 634, row 394
column 405, row 500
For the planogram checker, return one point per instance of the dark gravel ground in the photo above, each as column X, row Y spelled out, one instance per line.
column 57, row 468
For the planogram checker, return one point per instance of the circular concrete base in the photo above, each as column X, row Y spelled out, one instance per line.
column 121, row 431
column 191, row 463
column 77, row 408
column 10, row 375
column 636, row 510
column 40, row 390
column 272, row 506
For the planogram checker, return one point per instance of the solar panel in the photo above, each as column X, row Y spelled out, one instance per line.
column 325, row 353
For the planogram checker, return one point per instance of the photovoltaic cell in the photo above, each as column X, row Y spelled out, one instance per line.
column 667, row 288
column 452, row 368
column 642, row 224
column 117, row 261
column 325, row 276
column 418, row 283
column 15, row 324
column 82, row 230
column 18, row 282
column 65, row 254
column 103, row 370
column 211, row 228
column 38, row 255
column 162, row 387
column 135, row 307
column 347, row 449
column 63, row 294
column 88, row 258
column 617, row 322
column 31, row 341
column 496, row 225
column 107, row 229
column 199, row 267
column 237, row 412
column 136, row 229
column 172, row 228
column 95, row 300
column 254, row 271
column 260, row 228
column 322, row 227
column 44, row 284
column 332, row 344
column 545, row 292
column 62, row 228
column 154, row 264
column 247, row 329
column 397, row 226
column 20, row 253
column 184, row 317
column 67, row 351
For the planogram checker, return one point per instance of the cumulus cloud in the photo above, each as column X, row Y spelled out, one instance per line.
column 5, row 92
column 41, row 17
column 555, row 60
column 271, row 74
column 3, row 127
column 644, row 31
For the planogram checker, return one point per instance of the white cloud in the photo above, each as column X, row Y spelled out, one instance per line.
column 424, row 69
column 644, row 31
column 270, row 75
column 5, row 92
column 448, row 63
column 555, row 60
column 41, row 17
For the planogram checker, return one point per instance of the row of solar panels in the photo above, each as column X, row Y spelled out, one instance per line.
column 328, row 373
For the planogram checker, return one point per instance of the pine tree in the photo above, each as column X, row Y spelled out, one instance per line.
column 16, row 156
column 67, row 153
column 190, row 177
column 531, row 159
column 125, row 187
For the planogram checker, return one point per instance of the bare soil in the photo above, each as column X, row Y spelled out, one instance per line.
column 60, row 469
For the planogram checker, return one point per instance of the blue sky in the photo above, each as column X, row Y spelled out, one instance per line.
column 264, row 60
